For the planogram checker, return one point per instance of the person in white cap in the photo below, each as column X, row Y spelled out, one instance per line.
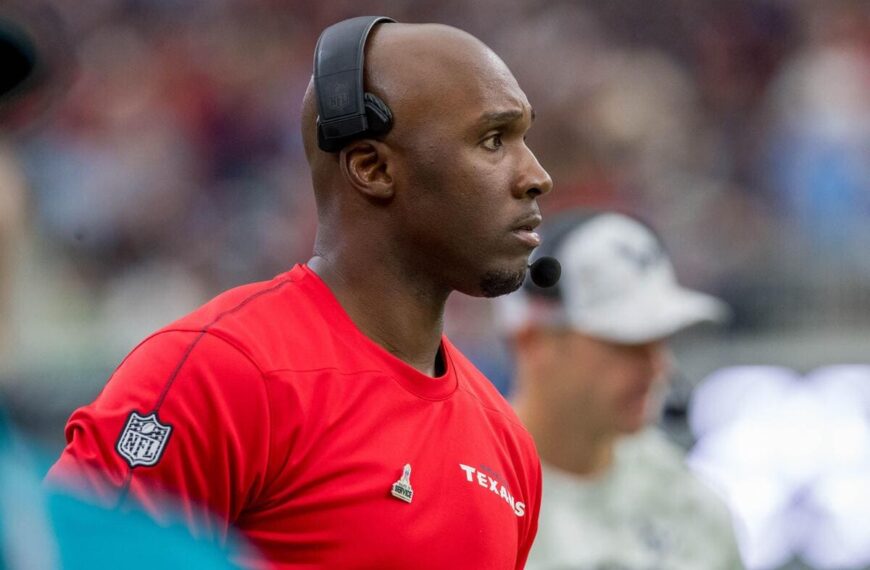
column 591, row 362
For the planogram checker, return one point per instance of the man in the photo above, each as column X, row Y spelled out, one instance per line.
column 323, row 412
column 45, row 529
column 591, row 358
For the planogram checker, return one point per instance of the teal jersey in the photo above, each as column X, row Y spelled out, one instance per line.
column 42, row 529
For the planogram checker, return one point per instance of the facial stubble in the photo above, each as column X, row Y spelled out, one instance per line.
column 498, row 283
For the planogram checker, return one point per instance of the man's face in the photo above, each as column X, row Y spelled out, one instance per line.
column 605, row 387
column 467, row 183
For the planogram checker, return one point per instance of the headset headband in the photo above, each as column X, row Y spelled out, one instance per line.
column 342, row 103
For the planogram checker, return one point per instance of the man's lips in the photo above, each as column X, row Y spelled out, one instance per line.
column 524, row 230
column 528, row 237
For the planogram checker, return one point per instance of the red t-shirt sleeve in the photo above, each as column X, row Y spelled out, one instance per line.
column 212, row 460
column 533, row 513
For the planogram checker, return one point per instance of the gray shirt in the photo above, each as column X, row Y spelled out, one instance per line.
column 648, row 512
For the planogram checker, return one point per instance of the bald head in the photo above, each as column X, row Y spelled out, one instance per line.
column 420, row 71
column 441, row 196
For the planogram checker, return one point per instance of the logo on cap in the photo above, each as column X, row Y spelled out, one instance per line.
column 644, row 258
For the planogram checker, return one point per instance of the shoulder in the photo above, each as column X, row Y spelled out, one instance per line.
column 651, row 446
column 651, row 452
column 482, row 399
column 274, row 324
column 476, row 386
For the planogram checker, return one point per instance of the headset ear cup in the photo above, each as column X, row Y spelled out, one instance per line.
column 325, row 143
column 380, row 118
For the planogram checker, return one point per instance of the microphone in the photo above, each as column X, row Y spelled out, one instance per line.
column 545, row 271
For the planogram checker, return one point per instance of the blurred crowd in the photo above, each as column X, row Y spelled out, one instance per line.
column 166, row 164
column 171, row 166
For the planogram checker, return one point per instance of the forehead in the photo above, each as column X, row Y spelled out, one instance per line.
column 486, row 89
column 457, row 86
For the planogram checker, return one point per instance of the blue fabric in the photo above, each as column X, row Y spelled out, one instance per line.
column 43, row 529
column 89, row 537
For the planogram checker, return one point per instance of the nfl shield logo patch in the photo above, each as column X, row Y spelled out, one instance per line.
column 143, row 440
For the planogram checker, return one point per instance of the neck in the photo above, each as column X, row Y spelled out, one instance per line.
column 564, row 443
column 388, row 306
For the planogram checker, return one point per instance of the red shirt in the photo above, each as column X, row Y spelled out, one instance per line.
column 274, row 413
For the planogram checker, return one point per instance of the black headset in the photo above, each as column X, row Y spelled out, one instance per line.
column 345, row 112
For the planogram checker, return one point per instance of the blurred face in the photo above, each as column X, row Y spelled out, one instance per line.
column 468, row 182
column 601, row 386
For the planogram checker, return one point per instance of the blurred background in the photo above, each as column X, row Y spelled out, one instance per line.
column 157, row 160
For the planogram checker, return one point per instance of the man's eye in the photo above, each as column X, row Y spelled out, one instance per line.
column 493, row 142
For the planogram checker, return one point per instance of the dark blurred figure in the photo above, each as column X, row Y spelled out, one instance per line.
column 38, row 63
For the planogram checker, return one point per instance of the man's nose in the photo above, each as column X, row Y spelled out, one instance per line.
column 535, row 181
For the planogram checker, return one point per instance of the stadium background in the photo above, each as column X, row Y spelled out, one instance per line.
column 171, row 168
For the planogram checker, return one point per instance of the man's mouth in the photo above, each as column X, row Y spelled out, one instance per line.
column 528, row 236
column 525, row 230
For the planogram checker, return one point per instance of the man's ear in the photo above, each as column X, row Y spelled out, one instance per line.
column 365, row 165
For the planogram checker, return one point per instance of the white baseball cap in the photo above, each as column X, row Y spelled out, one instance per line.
column 617, row 284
